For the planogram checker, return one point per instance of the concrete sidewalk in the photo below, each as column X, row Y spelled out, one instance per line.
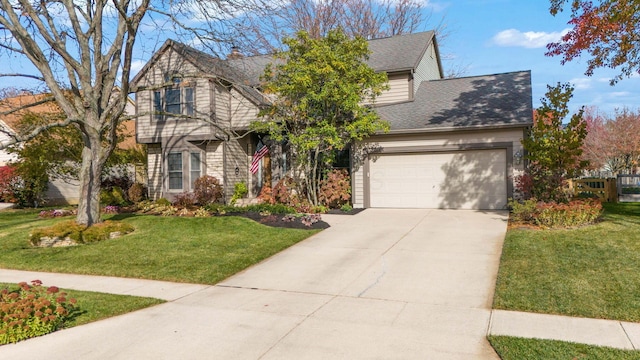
column 599, row 332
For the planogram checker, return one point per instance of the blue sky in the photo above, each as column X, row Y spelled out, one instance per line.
column 484, row 37
column 494, row 36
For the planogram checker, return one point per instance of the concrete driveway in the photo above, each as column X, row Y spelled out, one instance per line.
column 383, row 284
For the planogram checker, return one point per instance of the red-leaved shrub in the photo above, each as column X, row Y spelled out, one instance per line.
column 207, row 190
column 184, row 200
column 335, row 189
column 524, row 185
column 8, row 181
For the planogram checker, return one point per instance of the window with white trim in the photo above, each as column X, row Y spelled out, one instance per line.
column 195, row 168
column 174, row 164
column 177, row 99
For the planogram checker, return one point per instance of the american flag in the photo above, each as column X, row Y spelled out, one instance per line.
column 259, row 154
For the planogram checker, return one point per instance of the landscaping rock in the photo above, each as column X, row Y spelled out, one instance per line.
column 55, row 241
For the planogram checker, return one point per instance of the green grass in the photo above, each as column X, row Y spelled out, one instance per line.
column 93, row 306
column 511, row 348
column 593, row 271
column 194, row 250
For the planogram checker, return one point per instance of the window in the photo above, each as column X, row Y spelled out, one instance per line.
column 173, row 100
column 174, row 162
column 188, row 100
column 195, row 168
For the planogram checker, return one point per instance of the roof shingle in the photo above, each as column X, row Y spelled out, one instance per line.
column 489, row 100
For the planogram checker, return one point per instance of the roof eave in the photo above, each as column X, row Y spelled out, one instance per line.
column 455, row 128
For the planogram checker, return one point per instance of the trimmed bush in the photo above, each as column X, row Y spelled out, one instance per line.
column 32, row 310
column 575, row 213
column 80, row 234
column 523, row 211
column 556, row 215
column 207, row 190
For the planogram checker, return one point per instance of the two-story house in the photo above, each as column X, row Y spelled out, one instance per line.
column 454, row 143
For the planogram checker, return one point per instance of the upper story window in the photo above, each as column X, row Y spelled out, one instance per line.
column 176, row 99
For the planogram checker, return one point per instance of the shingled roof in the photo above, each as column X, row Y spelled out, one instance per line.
column 246, row 71
column 400, row 52
column 209, row 64
column 498, row 100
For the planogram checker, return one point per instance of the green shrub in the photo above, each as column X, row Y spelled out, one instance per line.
column 62, row 230
column 523, row 211
column 103, row 231
column 207, row 190
column 239, row 191
column 163, row 202
column 113, row 196
column 575, row 213
column 32, row 310
column 80, row 233
column 274, row 209
column 346, row 207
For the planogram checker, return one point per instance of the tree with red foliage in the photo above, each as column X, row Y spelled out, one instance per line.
column 613, row 142
column 608, row 30
column 596, row 147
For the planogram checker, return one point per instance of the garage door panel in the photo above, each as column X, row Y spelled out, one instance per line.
column 465, row 180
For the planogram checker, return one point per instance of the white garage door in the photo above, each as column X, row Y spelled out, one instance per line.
column 472, row 179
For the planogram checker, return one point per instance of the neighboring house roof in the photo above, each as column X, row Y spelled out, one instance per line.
column 400, row 52
column 12, row 121
column 499, row 100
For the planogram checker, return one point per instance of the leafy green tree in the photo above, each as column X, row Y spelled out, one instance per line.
column 320, row 88
column 554, row 149
column 55, row 154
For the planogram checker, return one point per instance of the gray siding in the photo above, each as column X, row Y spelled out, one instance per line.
column 214, row 159
column 235, row 155
column 243, row 111
column 427, row 68
column 154, row 169
column 150, row 129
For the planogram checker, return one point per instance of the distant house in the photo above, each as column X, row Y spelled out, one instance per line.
column 60, row 191
column 454, row 143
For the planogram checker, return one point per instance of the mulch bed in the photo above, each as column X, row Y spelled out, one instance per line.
column 276, row 220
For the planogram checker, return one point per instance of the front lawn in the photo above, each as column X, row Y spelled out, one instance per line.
column 194, row 250
column 511, row 348
column 593, row 271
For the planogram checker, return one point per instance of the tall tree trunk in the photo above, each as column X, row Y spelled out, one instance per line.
column 90, row 180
